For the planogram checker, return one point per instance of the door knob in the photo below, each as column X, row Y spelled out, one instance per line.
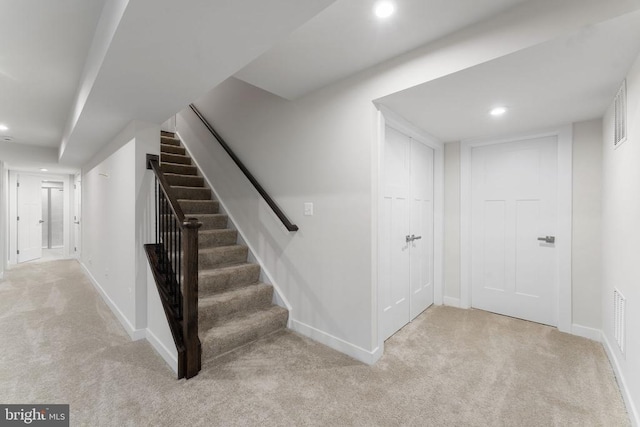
column 547, row 239
column 412, row 238
column 40, row 222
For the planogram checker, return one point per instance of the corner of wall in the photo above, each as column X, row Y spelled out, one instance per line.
column 632, row 410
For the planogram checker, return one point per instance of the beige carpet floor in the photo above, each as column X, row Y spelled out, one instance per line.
column 450, row 367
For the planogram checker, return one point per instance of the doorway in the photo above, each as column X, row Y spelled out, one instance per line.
column 52, row 217
column 516, row 227
column 38, row 224
column 407, row 237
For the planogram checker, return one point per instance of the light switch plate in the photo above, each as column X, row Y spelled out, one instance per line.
column 308, row 209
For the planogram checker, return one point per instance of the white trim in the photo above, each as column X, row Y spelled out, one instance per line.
column 338, row 344
column 162, row 350
column 134, row 334
column 265, row 275
column 376, row 208
column 563, row 233
column 632, row 411
column 392, row 119
column 586, row 332
column 451, row 302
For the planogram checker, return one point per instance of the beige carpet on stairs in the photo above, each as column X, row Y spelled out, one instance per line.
column 450, row 367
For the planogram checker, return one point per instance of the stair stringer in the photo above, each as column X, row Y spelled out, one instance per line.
column 265, row 276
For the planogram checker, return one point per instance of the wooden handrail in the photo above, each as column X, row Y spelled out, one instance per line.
column 276, row 209
column 153, row 163
column 174, row 264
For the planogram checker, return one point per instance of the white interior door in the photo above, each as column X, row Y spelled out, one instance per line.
column 406, row 231
column 30, row 218
column 395, row 260
column 421, row 228
column 514, row 205
column 77, row 211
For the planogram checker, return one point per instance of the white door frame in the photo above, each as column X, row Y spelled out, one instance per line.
column 392, row 119
column 564, row 205
column 67, row 181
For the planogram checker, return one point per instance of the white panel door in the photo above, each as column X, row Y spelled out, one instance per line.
column 30, row 218
column 394, row 257
column 421, row 229
column 77, row 210
column 514, row 200
column 406, row 265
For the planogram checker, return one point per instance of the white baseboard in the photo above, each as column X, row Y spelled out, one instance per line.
column 358, row 353
column 162, row 350
column 634, row 416
column 452, row 302
column 134, row 334
column 586, row 332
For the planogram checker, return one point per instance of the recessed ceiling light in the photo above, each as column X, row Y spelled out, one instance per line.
column 4, row 127
column 44, row 170
column 384, row 9
column 498, row 111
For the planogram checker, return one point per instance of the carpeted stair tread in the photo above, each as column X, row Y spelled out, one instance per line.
column 199, row 207
column 223, row 306
column 172, row 149
column 223, row 278
column 212, row 221
column 222, row 256
column 184, row 180
column 169, row 140
column 235, row 308
column 242, row 330
column 216, row 237
column 168, row 167
column 192, row 193
column 175, row 158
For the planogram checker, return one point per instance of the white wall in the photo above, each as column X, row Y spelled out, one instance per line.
column 3, row 219
column 621, row 241
column 452, row 224
column 117, row 219
column 315, row 150
column 587, row 227
column 108, row 231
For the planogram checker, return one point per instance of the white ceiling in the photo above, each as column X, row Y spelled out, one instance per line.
column 43, row 45
column 346, row 38
column 566, row 80
column 61, row 91
column 74, row 73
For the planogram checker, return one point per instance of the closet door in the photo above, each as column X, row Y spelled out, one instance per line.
column 406, row 234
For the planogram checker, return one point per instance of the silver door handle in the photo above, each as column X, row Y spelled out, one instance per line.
column 412, row 238
column 40, row 222
column 416, row 237
column 547, row 239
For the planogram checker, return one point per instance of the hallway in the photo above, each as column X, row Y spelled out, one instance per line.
column 449, row 367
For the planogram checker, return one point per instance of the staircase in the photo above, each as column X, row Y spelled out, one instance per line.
column 234, row 307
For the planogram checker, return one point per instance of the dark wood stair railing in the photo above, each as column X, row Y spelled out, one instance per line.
column 276, row 209
column 174, row 265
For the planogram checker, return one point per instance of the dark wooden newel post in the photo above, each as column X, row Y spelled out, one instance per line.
column 190, row 296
